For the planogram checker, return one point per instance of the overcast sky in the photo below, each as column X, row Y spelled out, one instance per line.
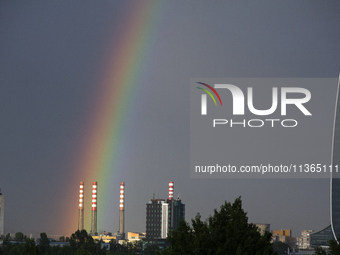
column 52, row 56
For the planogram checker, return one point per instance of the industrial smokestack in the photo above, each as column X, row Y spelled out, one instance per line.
column 81, row 207
column 171, row 190
column 171, row 202
column 121, row 209
column 94, row 209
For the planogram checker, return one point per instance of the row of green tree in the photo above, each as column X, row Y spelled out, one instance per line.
column 334, row 248
column 226, row 232
column 80, row 243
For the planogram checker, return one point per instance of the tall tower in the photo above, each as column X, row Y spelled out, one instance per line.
column 154, row 219
column 121, row 209
column 335, row 176
column 171, row 204
column 81, row 207
column 94, row 209
column 161, row 215
column 2, row 217
column 171, row 190
column 176, row 208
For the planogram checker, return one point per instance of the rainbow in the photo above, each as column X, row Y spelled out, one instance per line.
column 99, row 149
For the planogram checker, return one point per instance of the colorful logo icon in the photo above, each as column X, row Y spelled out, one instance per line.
column 204, row 97
column 208, row 92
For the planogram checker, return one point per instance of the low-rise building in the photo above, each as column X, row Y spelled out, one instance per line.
column 263, row 227
column 135, row 236
column 284, row 236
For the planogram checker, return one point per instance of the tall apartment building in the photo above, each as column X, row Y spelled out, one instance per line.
column 304, row 240
column 162, row 215
column 156, row 218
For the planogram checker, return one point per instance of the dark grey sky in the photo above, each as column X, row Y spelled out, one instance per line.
column 52, row 54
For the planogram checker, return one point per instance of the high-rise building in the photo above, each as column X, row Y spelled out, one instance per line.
column 335, row 179
column 162, row 215
column 2, row 216
column 154, row 221
column 176, row 212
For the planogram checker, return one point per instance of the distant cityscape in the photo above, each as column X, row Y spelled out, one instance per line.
column 162, row 215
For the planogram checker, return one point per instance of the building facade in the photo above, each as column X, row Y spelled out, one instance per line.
column 284, row 236
column 263, row 227
column 163, row 215
column 154, row 218
column 321, row 237
column 176, row 211
column 135, row 236
column 2, row 213
column 335, row 176
column 304, row 240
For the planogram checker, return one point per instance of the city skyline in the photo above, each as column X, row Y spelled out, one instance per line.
column 100, row 92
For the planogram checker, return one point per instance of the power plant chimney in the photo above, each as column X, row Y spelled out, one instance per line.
column 94, row 209
column 171, row 190
column 121, row 210
column 171, row 203
column 81, row 207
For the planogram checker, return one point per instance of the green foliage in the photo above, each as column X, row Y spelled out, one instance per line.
column 81, row 251
column 319, row 251
column 13, row 249
column 44, row 245
column 19, row 236
column 334, row 247
column 227, row 232
column 8, row 238
column 280, row 248
column 80, row 243
column 129, row 248
column 83, row 242
column 29, row 247
column 78, row 238
column 150, row 249
column 65, row 250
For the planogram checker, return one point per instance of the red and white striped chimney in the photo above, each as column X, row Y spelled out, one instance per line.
column 121, row 201
column 94, row 209
column 171, row 190
column 81, row 207
column 94, row 196
column 81, row 196
column 121, row 209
